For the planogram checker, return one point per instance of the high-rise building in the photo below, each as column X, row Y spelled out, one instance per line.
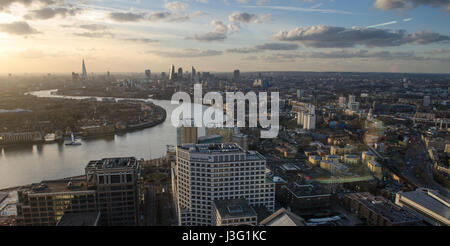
column 180, row 73
column 116, row 182
column 148, row 73
column 83, row 71
column 309, row 121
column 206, row 173
column 426, row 101
column 187, row 133
column 300, row 93
column 193, row 75
column 236, row 75
column 352, row 103
column 172, row 73
column 110, row 187
column 342, row 102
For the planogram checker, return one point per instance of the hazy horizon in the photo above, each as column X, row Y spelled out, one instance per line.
column 53, row 36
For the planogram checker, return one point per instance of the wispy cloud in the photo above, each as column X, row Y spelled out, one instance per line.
column 300, row 9
column 390, row 23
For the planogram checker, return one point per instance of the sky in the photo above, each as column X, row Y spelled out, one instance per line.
column 53, row 36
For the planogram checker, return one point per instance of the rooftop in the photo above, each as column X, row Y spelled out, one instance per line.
column 212, row 148
column 430, row 200
column 282, row 217
column 234, row 208
column 79, row 219
column 57, row 186
column 306, row 190
column 109, row 163
column 383, row 207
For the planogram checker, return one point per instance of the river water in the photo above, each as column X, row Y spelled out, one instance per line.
column 20, row 165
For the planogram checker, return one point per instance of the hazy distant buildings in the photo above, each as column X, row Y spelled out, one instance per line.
column 207, row 173
column 236, row 76
column 148, row 73
column 180, row 73
column 83, row 71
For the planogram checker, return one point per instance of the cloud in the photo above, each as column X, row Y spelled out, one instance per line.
column 17, row 28
column 126, row 17
column 141, row 40
column 208, row 37
column 241, row 17
column 341, row 37
column 94, row 34
column 49, row 13
column 345, row 54
column 6, row 3
column 93, row 27
column 176, row 6
column 409, row 4
column 173, row 17
column 188, row 53
column 220, row 32
column 265, row 47
column 300, row 9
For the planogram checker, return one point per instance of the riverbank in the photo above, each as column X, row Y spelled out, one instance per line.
column 87, row 117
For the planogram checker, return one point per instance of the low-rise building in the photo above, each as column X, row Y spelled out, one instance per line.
column 333, row 167
column 351, row 159
column 235, row 212
column 314, row 160
column 378, row 211
column 427, row 204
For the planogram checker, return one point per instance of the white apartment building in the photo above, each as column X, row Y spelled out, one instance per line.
column 205, row 173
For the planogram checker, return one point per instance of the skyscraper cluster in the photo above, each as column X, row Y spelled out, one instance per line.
column 178, row 75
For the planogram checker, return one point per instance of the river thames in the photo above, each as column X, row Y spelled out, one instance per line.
column 26, row 164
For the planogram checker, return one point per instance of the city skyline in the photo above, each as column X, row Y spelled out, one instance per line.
column 221, row 36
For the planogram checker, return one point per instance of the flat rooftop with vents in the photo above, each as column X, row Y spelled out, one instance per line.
column 234, row 212
column 113, row 163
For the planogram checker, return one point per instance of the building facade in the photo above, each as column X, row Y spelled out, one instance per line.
column 207, row 173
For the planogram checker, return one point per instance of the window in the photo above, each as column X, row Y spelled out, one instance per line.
column 115, row 179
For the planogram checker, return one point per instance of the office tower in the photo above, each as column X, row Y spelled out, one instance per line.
column 193, row 75
column 207, row 173
column 110, row 187
column 309, row 120
column 172, row 73
column 116, row 182
column 236, row 76
column 342, row 101
column 180, row 73
column 148, row 73
column 300, row 93
column 352, row 103
column 187, row 133
column 426, row 101
column 83, row 71
column 351, row 99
